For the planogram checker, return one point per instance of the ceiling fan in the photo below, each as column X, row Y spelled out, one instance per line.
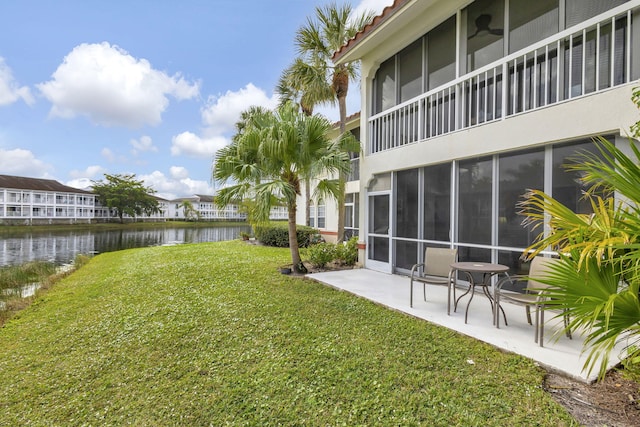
column 482, row 27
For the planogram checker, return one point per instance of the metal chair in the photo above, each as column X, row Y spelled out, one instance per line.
column 534, row 295
column 434, row 270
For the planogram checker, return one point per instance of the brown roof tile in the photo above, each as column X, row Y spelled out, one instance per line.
column 24, row 183
column 375, row 23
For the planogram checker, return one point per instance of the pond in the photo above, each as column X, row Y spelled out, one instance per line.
column 61, row 247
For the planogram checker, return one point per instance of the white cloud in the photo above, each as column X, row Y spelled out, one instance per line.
column 143, row 144
column 112, row 88
column 190, row 144
column 178, row 184
column 89, row 172
column 108, row 155
column 178, row 172
column 222, row 113
column 81, row 183
column 10, row 91
column 219, row 117
column 377, row 6
column 23, row 163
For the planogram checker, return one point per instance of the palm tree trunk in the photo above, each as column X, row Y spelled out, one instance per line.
column 307, row 196
column 342, row 105
column 293, row 238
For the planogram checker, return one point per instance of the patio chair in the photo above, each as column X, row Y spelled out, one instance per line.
column 434, row 270
column 534, row 295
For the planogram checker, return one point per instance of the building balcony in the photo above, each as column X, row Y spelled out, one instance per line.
column 588, row 58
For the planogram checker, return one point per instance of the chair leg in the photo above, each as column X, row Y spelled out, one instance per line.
column 540, row 325
column 411, row 293
column 527, row 308
column 424, row 291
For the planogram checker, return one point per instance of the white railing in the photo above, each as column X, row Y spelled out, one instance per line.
column 590, row 57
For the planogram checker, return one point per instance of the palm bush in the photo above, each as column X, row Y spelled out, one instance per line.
column 599, row 276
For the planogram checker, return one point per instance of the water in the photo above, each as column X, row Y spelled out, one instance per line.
column 61, row 247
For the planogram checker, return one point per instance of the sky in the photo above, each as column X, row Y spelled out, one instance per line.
column 145, row 87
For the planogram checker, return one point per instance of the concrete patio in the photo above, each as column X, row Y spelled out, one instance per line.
column 559, row 354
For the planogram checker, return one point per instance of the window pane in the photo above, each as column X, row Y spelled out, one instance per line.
column 518, row 173
column 379, row 214
column 474, row 208
column 442, row 53
column 410, row 70
column 379, row 249
column 531, row 21
column 385, row 85
column 485, row 40
column 407, row 204
column 581, row 10
column 437, row 202
column 567, row 187
column 513, row 260
column 348, row 215
column 406, row 254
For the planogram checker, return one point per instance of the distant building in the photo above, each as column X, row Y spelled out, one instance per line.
column 202, row 207
column 27, row 201
column 43, row 201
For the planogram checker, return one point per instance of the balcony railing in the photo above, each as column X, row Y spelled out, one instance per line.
column 587, row 58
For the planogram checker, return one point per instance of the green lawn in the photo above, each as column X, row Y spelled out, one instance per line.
column 213, row 334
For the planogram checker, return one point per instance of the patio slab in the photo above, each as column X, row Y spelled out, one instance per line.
column 559, row 354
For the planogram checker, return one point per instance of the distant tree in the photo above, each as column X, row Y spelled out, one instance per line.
column 126, row 195
column 190, row 213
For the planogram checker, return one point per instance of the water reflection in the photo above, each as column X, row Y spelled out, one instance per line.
column 62, row 247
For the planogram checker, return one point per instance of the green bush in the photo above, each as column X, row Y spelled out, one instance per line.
column 347, row 252
column 321, row 254
column 277, row 235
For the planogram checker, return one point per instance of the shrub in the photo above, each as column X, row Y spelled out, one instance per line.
column 277, row 235
column 321, row 254
column 347, row 252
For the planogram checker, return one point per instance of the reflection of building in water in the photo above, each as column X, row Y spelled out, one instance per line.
column 45, row 201
column 63, row 246
column 45, row 247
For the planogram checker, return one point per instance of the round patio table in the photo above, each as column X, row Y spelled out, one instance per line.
column 487, row 269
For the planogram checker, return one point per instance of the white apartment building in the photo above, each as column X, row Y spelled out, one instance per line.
column 43, row 201
column 205, row 209
column 467, row 104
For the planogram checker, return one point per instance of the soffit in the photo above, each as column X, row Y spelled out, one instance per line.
column 398, row 25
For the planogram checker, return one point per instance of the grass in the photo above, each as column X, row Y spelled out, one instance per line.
column 30, row 272
column 213, row 334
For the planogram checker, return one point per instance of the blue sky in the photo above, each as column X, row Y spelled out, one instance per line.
column 150, row 87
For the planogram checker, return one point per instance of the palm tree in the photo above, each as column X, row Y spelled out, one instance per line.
column 330, row 29
column 266, row 158
column 306, row 85
column 598, row 278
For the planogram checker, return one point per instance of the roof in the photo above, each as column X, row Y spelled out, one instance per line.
column 24, row 183
column 205, row 198
column 375, row 23
column 354, row 116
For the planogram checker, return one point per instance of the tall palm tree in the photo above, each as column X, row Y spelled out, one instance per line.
column 325, row 33
column 306, row 85
column 266, row 158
